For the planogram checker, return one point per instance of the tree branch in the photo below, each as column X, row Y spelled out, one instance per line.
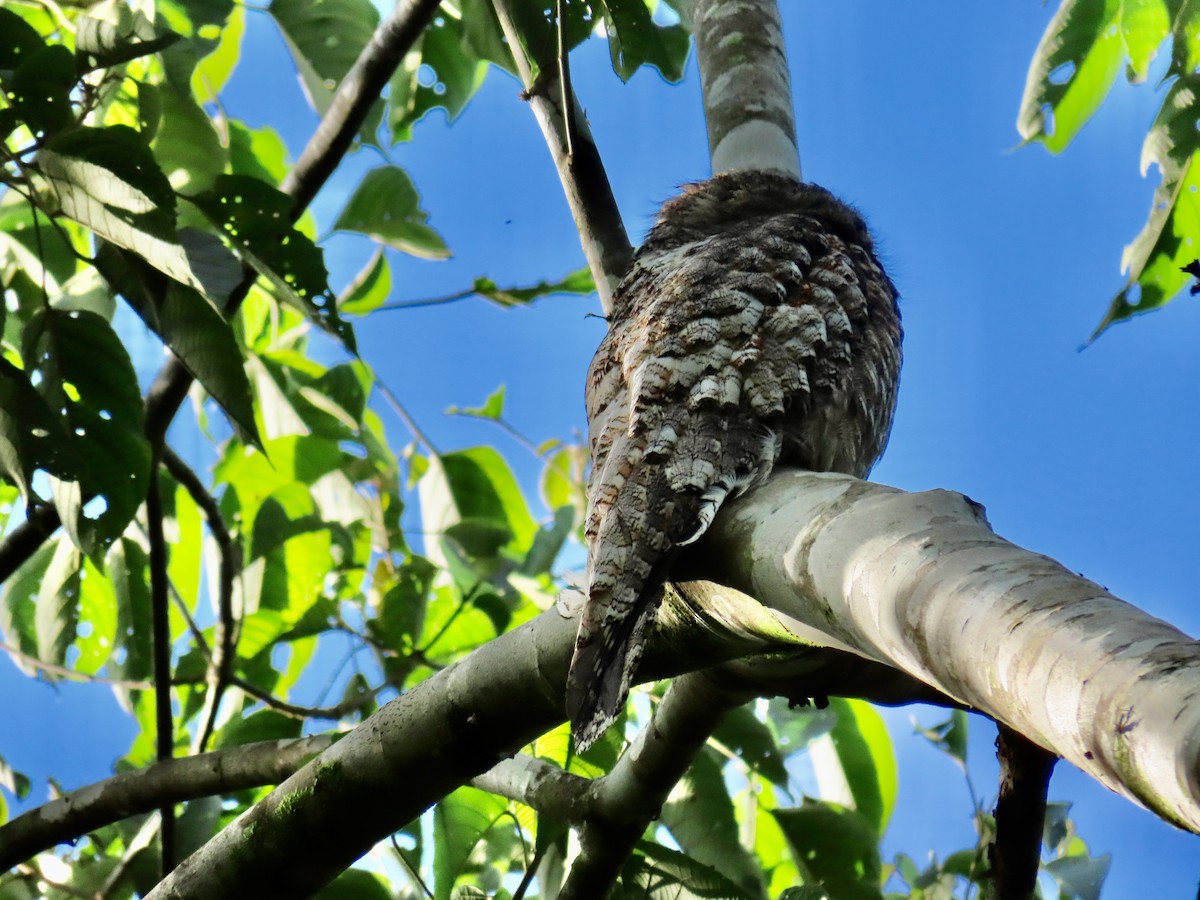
column 746, row 85
column 145, row 790
column 632, row 795
column 920, row 582
column 164, row 720
column 580, row 169
column 1015, row 855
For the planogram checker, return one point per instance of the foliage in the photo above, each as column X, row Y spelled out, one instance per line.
column 1073, row 70
column 126, row 189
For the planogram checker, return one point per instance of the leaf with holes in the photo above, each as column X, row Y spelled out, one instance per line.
column 255, row 217
column 457, row 74
column 83, row 372
column 31, row 435
column 386, row 207
column 39, row 92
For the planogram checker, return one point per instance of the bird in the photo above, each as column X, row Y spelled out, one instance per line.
column 756, row 327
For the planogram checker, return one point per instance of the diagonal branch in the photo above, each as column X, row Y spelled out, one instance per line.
column 580, row 169
column 632, row 795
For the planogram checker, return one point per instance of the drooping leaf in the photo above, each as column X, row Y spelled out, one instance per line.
column 257, row 152
column 950, row 736
column 107, row 180
column 864, row 756
column 186, row 144
column 197, row 333
column 86, row 375
column 754, row 743
column 128, row 568
column 356, row 884
column 98, row 612
column 57, row 616
column 256, row 218
column 214, row 70
column 112, row 34
column 370, row 287
column 386, row 207
column 658, row 873
column 31, row 434
column 18, row 610
column 1072, row 70
column 635, row 39
column 39, row 90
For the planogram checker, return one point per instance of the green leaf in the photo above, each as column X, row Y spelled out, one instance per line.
column 84, row 372
column 475, row 486
column 18, row 611
column 1072, row 70
column 264, row 725
column 256, row 218
column 837, row 846
column 186, row 144
column 57, row 616
column 128, row 568
column 257, row 152
column 197, row 333
column 213, row 71
column 325, row 38
column 16, row 783
column 402, row 607
column 700, row 816
column 370, row 287
column 1145, row 24
column 355, row 884
column 457, row 73
column 1167, row 242
column 492, row 408
column 950, row 736
column 39, row 91
column 460, row 822
column 98, row 613
column 577, row 282
column 199, row 822
column 657, row 873
column 634, row 40
column 865, row 760
column 111, row 34
column 385, row 206
column 31, row 434
column 1079, row 876
column 754, row 743
column 107, row 180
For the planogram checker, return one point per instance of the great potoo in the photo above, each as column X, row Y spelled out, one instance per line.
column 755, row 327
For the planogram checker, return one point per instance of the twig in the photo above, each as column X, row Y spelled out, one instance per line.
column 585, row 183
column 335, row 712
column 225, row 639
column 1025, row 770
column 72, row 674
column 161, row 626
column 145, row 790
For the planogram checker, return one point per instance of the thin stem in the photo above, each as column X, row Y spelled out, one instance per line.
column 160, row 624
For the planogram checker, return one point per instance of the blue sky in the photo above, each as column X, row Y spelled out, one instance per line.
column 1005, row 259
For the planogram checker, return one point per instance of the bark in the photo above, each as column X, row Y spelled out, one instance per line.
column 921, row 583
column 746, row 85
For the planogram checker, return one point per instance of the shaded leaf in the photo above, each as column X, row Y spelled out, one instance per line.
column 460, row 822
column 635, row 39
column 657, row 873
column 17, row 612
column 256, row 218
column 754, row 743
column 838, row 846
column 355, row 884
column 865, row 757
column 950, row 736
column 31, row 434
column 57, row 615
column 326, row 38
column 112, row 34
column 85, row 374
column 39, row 91
column 456, row 74
column 264, row 725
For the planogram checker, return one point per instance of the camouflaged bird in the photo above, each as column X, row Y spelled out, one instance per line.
column 755, row 328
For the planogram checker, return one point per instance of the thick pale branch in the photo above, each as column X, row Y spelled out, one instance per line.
column 920, row 582
column 746, row 85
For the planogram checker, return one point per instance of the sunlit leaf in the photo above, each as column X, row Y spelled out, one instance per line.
column 112, row 33
column 264, row 725
column 456, row 74
column 370, row 287
column 186, row 144
column 1072, row 70
column 213, row 71
column 635, row 39
column 386, row 207
column 492, row 408
column 864, row 758
column 577, row 282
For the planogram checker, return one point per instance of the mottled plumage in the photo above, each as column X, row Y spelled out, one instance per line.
column 756, row 327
